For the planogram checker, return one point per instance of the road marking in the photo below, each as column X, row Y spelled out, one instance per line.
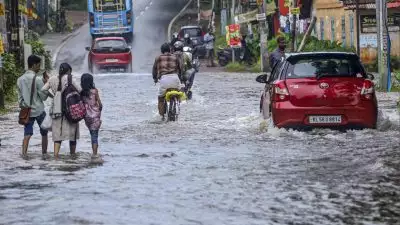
column 141, row 13
column 146, row 8
column 137, row 18
column 151, row 2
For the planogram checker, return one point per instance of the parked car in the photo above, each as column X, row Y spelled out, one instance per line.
column 319, row 89
column 111, row 54
column 196, row 34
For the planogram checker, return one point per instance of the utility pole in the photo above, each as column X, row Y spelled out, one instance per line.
column 15, row 25
column 263, row 28
column 381, row 16
column 294, row 28
column 198, row 12
column 233, row 12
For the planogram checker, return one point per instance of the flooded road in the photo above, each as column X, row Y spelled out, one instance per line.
column 216, row 165
column 219, row 164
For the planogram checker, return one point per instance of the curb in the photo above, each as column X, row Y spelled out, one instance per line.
column 176, row 17
column 62, row 44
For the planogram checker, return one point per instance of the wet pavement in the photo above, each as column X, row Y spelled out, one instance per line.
column 219, row 164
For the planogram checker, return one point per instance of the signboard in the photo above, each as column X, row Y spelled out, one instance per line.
column 284, row 7
column 368, row 23
column 368, row 48
column 233, row 35
column 261, row 17
column 295, row 11
column 1, row 44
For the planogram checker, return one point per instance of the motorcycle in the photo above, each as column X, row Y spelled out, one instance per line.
column 225, row 56
column 190, row 74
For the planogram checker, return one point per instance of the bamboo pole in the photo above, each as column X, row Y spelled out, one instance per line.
column 308, row 33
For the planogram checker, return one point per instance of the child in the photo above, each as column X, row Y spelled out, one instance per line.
column 91, row 98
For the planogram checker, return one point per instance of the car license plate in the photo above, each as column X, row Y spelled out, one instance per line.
column 111, row 60
column 325, row 119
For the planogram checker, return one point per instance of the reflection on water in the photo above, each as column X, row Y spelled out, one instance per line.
column 219, row 164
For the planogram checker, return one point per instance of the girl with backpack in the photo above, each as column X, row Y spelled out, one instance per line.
column 91, row 98
column 62, row 127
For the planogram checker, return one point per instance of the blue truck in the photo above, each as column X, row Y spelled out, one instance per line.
column 111, row 18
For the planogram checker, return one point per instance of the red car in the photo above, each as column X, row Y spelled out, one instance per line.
column 111, row 54
column 325, row 89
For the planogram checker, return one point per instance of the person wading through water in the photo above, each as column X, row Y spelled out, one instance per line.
column 31, row 96
column 62, row 129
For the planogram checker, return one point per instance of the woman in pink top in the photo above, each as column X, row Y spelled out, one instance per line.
column 91, row 98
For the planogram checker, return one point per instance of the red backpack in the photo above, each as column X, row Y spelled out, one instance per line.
column 73, row 107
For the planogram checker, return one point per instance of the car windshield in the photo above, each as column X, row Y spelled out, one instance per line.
column 109, row 5
column 324, row 65
column 107, row 44
column 193, row 32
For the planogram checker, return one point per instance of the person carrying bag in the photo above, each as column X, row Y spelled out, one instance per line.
column 25, row 113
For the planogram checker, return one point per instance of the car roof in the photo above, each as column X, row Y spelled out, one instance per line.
column 294, row 54
column 190, row 27
column 109, row 38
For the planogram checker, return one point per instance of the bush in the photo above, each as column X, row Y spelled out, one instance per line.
column 11, row 72
column 235, row 67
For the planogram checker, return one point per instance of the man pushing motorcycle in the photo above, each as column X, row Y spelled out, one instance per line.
column 168, row 70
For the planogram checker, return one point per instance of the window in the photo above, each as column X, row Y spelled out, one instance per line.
column 321, row 29
column 193, row 32
column 327, row 65
column 106, row 44
column 109, row 5
column 351, row 31
column 275, row 72
column 333, row 29
column 343, row 31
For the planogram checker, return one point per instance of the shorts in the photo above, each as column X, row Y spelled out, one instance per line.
column 28, row 128
column 168, row 81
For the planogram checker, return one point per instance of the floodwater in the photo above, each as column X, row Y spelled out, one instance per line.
column 219, row 164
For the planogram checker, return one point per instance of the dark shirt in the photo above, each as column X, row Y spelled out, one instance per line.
column 275, row 57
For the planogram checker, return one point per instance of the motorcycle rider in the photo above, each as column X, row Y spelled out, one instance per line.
column 174, row 39
column 188, row 71
column 168, row 70
column 187, row 41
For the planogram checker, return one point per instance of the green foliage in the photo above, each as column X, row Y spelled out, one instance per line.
column 235, row 67
column 38, row 48
column 11, row 72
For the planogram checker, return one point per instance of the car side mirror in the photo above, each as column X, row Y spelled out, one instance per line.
column 87, row 49
column 262, row 78
column 370, row 76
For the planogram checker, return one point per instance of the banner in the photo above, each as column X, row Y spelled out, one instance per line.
column 233, row 35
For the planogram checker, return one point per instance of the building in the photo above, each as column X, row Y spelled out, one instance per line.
column 337, row 21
